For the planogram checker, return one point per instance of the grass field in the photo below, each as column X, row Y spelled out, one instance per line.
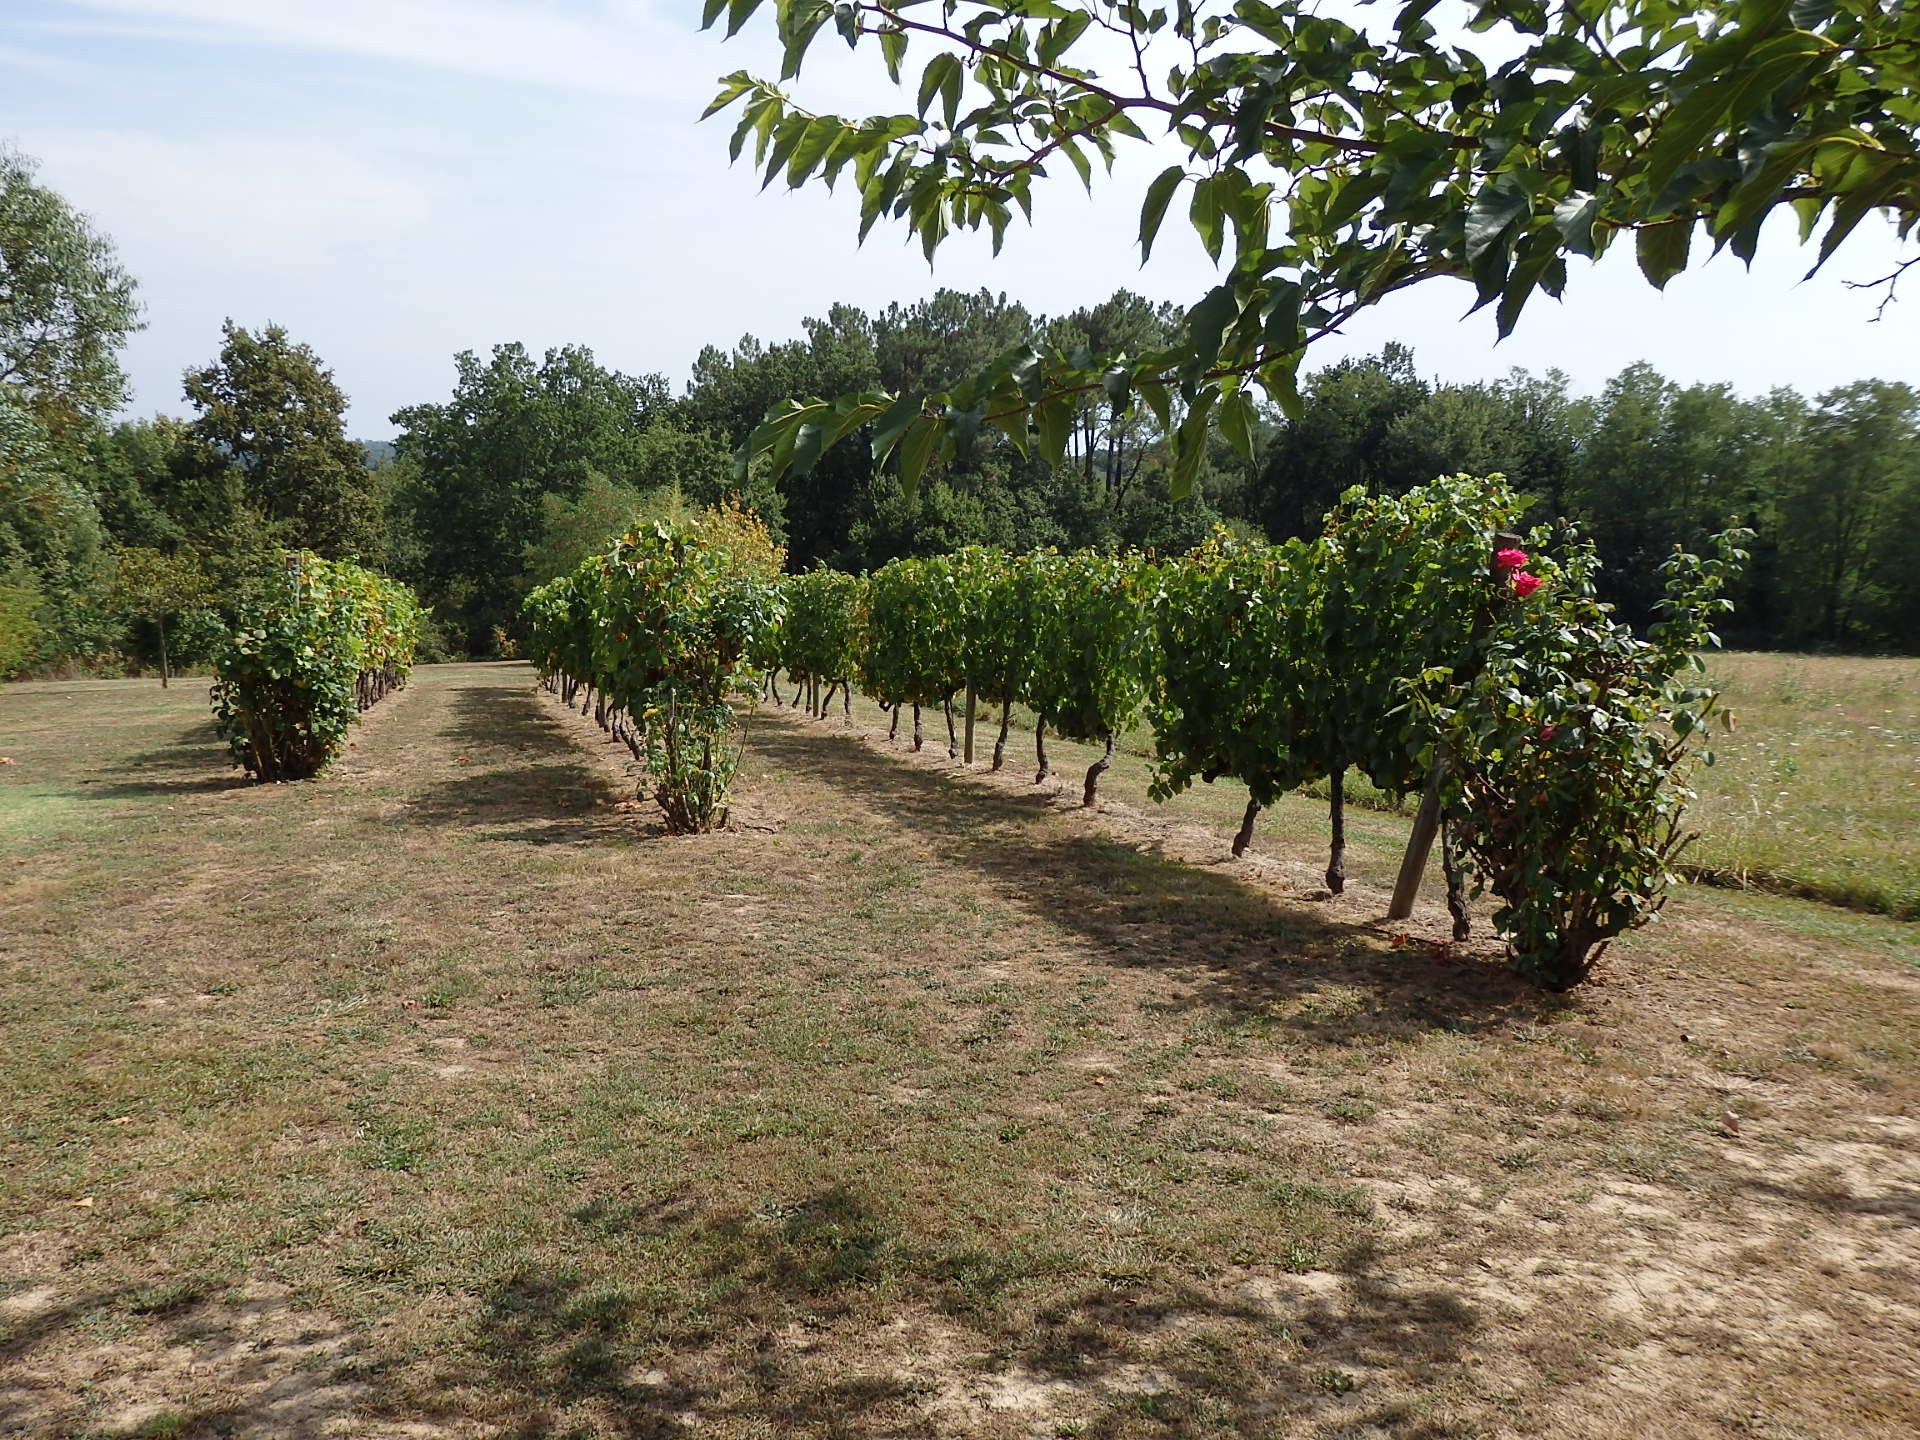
column 1817, row 790
column 446, row 1096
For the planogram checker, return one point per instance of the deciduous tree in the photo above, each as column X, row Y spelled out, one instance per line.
column 1328, row 161
column 270, row 411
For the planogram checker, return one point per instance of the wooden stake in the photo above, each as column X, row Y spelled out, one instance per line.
column 1426, row 824
column 1413, row 867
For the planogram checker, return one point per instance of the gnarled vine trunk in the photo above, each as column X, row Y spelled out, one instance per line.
column 1456, row 880
column 1094, row 772
column 1245, row 837
column 1337, row 819
column 1000, row 745
column 1040, row 749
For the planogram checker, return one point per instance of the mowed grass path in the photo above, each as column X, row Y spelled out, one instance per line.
column 446, row 1096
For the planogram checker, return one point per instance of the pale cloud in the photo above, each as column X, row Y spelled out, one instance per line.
column 623, row 49
column 232, row 200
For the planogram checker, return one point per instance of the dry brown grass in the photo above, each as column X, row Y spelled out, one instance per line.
column 447, row 1096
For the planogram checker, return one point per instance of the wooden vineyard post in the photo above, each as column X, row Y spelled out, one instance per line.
column 1413, row 866
column 1426, row 824
column 969, row 743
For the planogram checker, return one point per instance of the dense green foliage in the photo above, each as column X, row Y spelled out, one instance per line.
column 1565, row 740
column 912, row 633
column 1414, row 641
column 514, row 430
column 53, row 549
column 663, row 626
column 1328, row 163
column 305, row 651
column 66, row 306
column 1093, row 650
column 1000, row 608
column 1244, row 689
column 532, row 462
column 1643, row 465
column 270, row 413
column 819, row 636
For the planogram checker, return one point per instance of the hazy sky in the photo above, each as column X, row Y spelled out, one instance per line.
column 397, row 180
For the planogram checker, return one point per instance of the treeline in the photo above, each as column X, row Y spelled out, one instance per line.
column 112, row 535
column 120, row 543
column 532, row 463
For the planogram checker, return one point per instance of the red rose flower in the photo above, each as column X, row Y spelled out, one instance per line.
column 1525, row 583
column 1507, row 560
column 1547, row 732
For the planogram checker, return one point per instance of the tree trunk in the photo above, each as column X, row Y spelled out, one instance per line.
column 1456, row 881
column 893, row 727
column 164, row 674
column 1040, row 749
column 917, row 740
column 846, row 700
column 953, row 739
column 1094, row 772
column 1245, row 837
column 1000, row 745
column 1337, row 817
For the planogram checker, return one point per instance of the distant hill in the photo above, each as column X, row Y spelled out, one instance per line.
column 379, row 452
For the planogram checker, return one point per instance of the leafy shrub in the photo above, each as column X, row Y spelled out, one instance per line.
column 819, row 639
column 663, row 626
column 1243, row 687
column 1567, row 749
column 911, row 635
column 302, row 656
column 999, row 602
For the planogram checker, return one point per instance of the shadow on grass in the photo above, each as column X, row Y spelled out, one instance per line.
column 1897, row 1202
column 194, row 762
column 1241, row 947
column 526, row 779
column 278, row 1372
column 821, row 1317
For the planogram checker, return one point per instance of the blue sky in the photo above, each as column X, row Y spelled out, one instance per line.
column 397, row 180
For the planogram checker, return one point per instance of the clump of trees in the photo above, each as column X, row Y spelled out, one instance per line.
column 1327, row 161
column 113, row 535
